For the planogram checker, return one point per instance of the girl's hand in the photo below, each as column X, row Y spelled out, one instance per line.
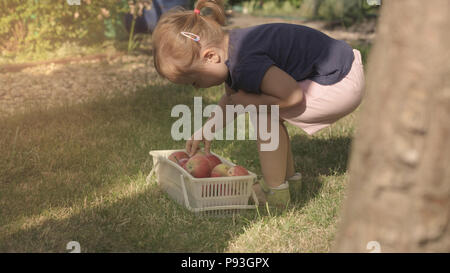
column 192, row 145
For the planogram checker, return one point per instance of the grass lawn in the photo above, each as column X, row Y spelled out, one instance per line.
column 77, row 173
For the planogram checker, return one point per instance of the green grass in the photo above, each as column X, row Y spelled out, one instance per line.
column 77, row 173
column 364, row 47
column 71, row 49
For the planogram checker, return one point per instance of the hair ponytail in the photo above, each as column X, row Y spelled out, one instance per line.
column 216, row 7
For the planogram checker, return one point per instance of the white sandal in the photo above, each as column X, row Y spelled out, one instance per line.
column 296, row 177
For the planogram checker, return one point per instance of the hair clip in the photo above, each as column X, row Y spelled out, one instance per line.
column 191, row 36
column 197, row 11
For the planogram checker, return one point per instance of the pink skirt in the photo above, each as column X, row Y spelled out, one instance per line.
column 325, row 104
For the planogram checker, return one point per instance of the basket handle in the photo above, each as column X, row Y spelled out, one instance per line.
column 149, row 176
column 183, row 187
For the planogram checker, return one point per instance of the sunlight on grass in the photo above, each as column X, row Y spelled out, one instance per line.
column 307, row 228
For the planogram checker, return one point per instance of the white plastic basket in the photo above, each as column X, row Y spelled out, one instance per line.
column 215, row 195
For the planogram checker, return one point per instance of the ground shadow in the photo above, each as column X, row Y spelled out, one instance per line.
column 49, row 153
column 317, row 157
column 160, row 225
column 314, row 157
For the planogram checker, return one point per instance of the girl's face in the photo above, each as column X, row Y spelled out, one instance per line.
column 205, row 76
column 208, row 75
column 210, row 71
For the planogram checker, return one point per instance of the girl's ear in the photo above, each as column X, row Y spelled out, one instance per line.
column 211, row 56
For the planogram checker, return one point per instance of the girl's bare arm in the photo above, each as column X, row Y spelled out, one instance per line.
column 278, row 88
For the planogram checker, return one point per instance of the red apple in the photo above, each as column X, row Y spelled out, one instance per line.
column 177, row 156
column 182, row 161
column 198, row 166
column 220, row 170
column 213, row 160
column 199, row 152
column 237, row 171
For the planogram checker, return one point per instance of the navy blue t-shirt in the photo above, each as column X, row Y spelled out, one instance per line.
column 300, row 51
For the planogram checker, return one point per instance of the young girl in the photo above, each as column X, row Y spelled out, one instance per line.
column 314, row 79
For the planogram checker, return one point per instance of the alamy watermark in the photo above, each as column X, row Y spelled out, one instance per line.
column 374, row 247
column 373, row 2
column 74, row 2
column 259, row 117
column 74, row 246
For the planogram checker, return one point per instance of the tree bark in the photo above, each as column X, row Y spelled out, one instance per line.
column 399, row 186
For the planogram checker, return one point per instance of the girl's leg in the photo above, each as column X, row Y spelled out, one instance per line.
column 274, row 169
column 290, row 166
column 274, row 163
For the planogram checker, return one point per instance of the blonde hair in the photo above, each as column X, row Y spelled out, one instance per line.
column 173, row 53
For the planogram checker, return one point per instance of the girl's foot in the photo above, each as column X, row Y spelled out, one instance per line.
column 296, row 179
column 276, row 197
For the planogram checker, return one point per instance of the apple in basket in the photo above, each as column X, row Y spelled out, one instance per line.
column 213, row 160
column 237, row 171
column 198, row 166
column 177, row 156
column 183, row 161
column 199, row 152
column 220, row 170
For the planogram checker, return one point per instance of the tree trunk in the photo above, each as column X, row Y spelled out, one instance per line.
column 399, row 185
